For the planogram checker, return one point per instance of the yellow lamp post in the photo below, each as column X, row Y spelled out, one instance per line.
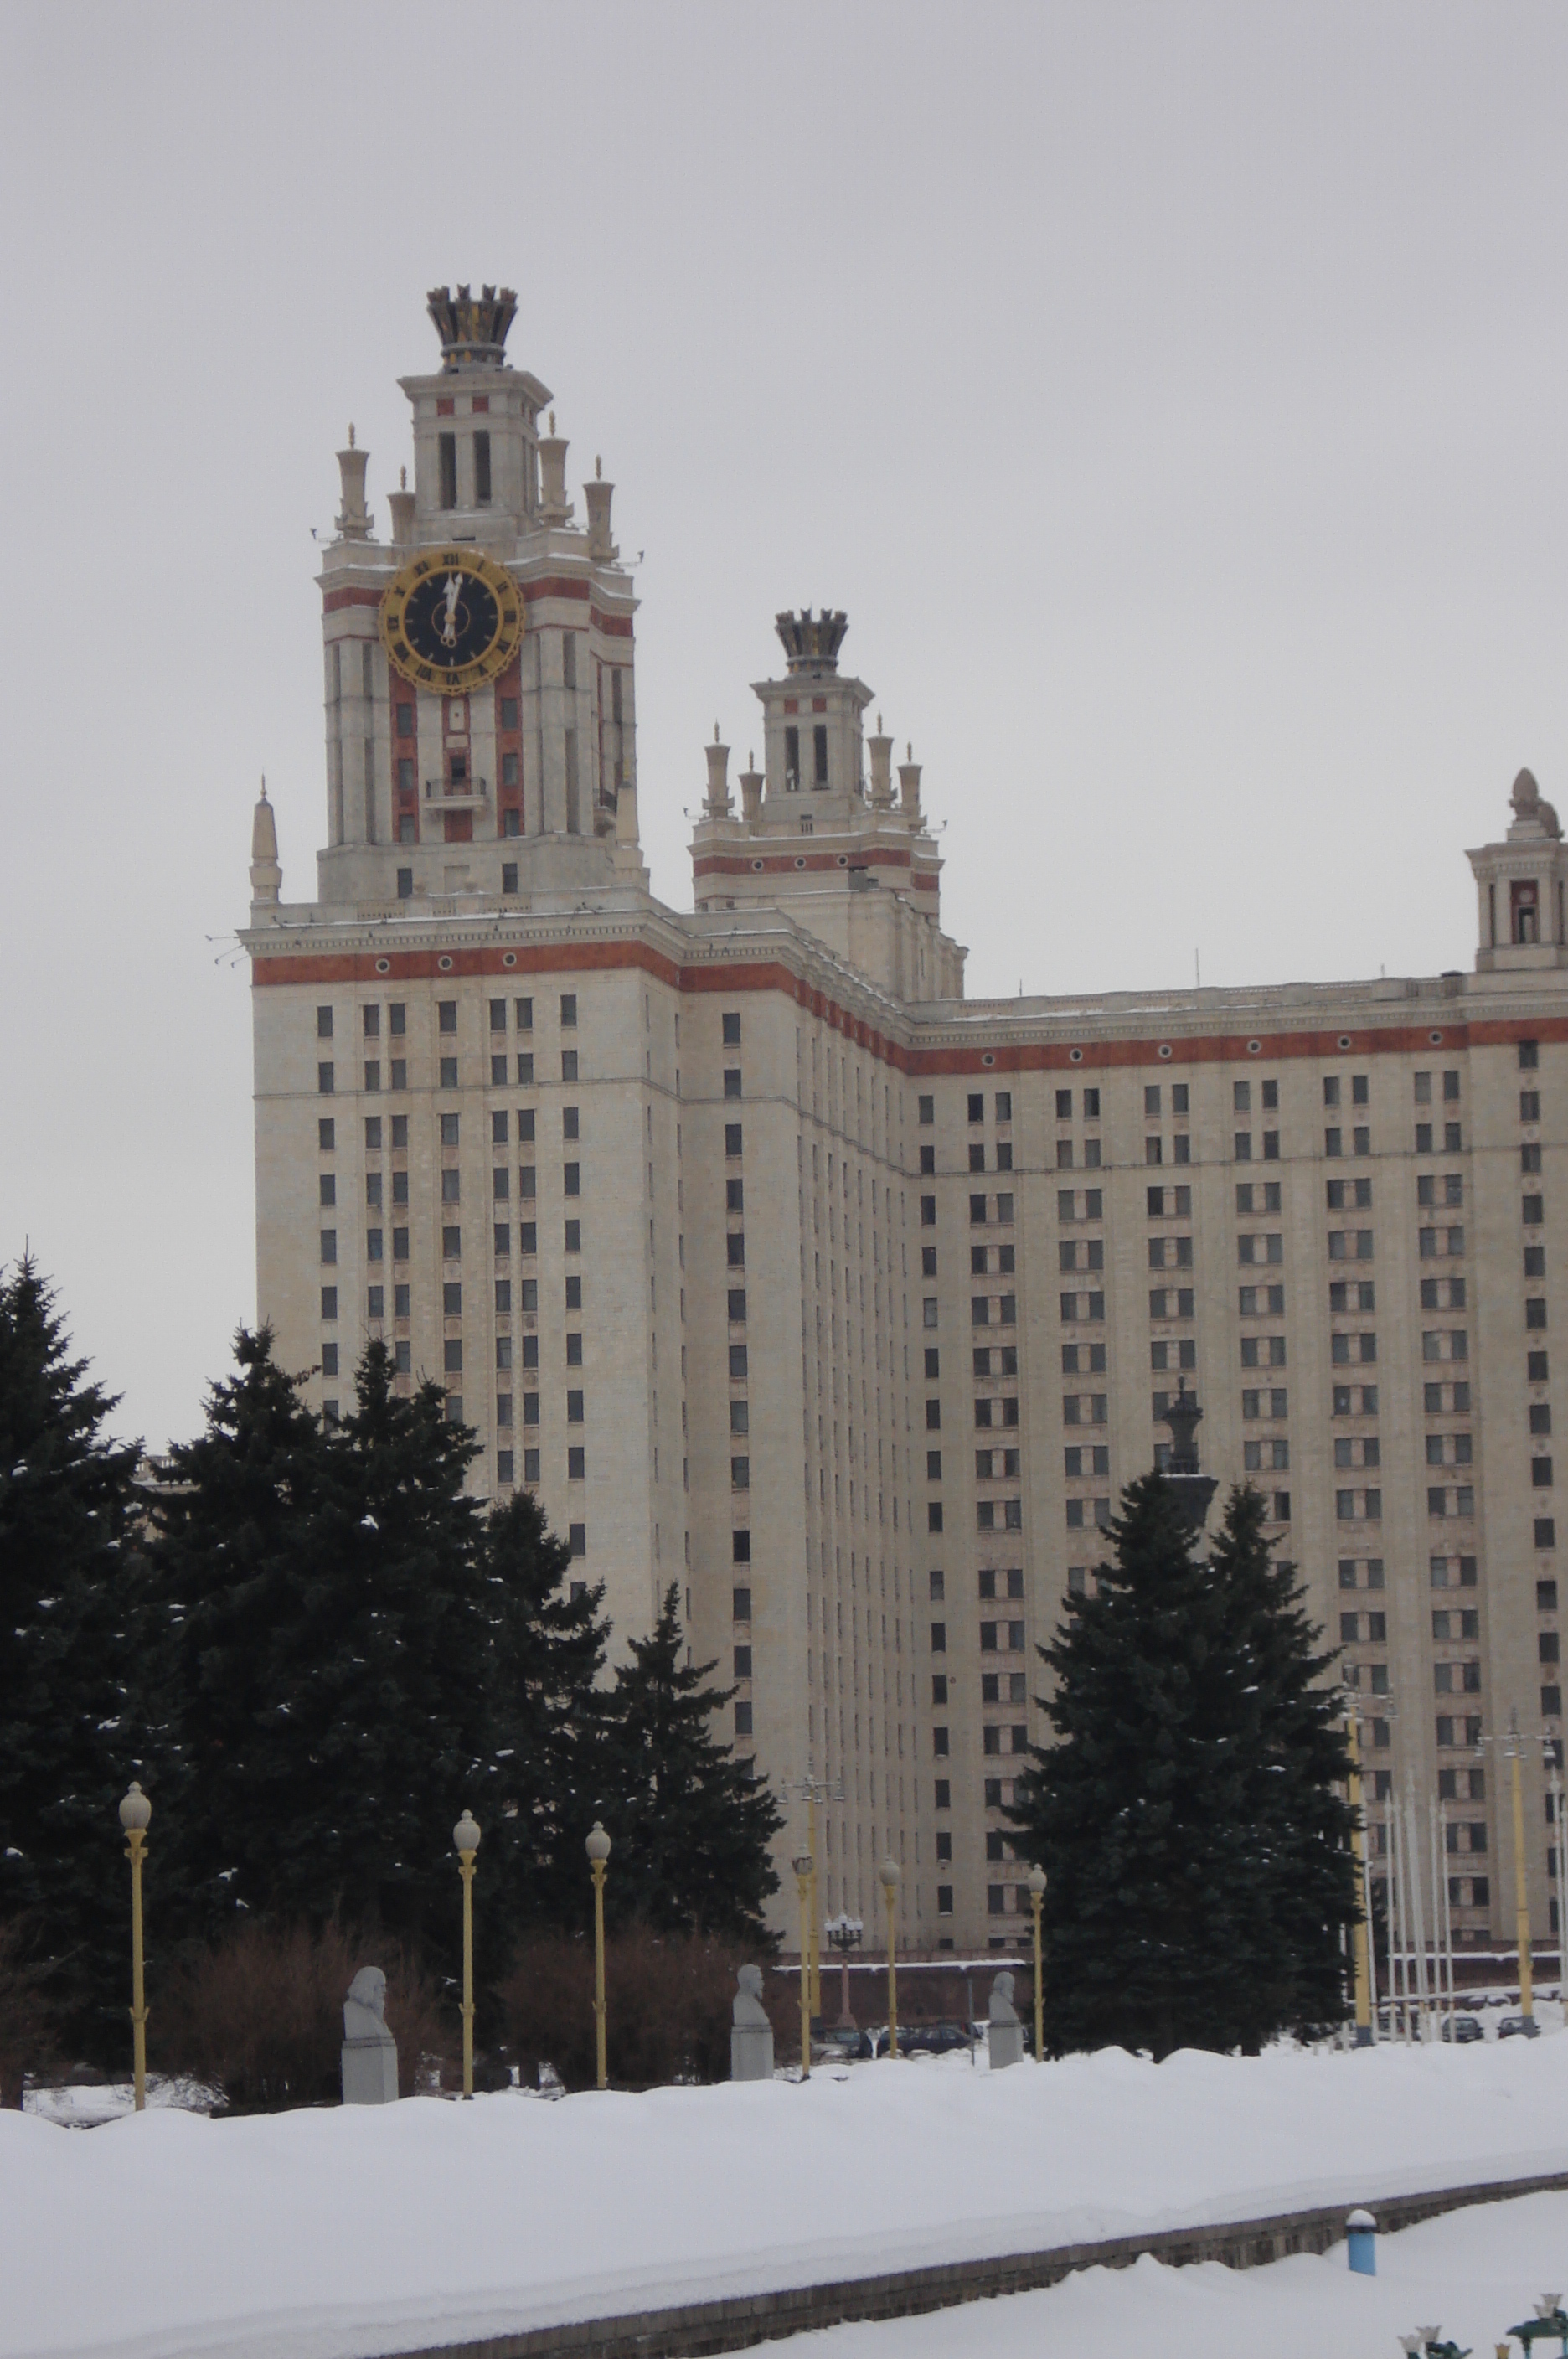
column 465, row 1842
column 1036, row 1896
column 135, row 1811
column 1510, row 1743
column 1361, row 1931
column 598, row 1850
column 889, row 1871
column 805, row 1877
column 1522, row 1897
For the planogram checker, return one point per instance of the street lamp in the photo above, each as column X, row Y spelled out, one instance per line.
column 813, row 1789
column 597, row 1847
column 465, row 1842
column 804, row 1867
column 1361, row 1931
column 1511, row 1744
column 844, row 1932
column 136, row 1811
column 889, row 1871
column 1036, row 1896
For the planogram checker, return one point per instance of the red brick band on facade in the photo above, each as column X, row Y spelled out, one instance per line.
column 1020, row 1057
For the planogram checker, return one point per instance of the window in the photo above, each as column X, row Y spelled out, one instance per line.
column 568, row 1010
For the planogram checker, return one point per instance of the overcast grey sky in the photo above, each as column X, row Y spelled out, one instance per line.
column 1173, row 394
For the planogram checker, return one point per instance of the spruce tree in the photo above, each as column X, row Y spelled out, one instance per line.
column 1299, row 1767
column 329, row 1649
column 70, row 1653
column 237, row 1535
column 543, row 1723
column 691, row 1827
column 1186, row 1818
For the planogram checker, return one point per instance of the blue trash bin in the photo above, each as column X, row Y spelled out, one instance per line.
column 1361, row 2243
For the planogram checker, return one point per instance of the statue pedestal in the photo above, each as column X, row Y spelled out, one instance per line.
column 370, row 2072
column 1006, row 2044
column 751, row 2051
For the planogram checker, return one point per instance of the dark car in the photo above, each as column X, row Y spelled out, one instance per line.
column 1462, row 2030
column 931, row 2038
column 1515, row 2026
column 846, row 2041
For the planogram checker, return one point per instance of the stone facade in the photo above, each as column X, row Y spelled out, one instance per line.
column 787, row 1275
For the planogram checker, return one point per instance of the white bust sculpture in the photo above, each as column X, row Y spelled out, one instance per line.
column 1002, row 2008
column 748, row 2005
column 369, row 2050
column 751, row 2033
column 365, row 2009
column 1004, row 2033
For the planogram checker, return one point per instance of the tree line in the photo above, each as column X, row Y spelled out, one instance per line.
column 314, row 1647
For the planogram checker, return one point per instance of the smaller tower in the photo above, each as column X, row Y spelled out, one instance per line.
column 1519, row 886
column 266, row 876
column 843, row 860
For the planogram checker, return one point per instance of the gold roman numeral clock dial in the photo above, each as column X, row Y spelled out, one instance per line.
column 451, row 620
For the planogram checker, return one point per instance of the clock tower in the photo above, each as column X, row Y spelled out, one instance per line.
column 479, row 683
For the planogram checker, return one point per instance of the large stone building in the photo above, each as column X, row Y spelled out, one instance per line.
column 786, row 1275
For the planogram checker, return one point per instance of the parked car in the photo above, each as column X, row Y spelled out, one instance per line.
column 1462, row 2030
column 846, row 2042
column 1515, row 2026
column 931, row 2038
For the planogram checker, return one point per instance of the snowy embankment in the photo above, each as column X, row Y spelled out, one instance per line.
column 1475, row 2273
column 342, row 2235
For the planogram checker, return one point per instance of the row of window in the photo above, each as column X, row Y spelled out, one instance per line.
column 397, row 1075
column 446, row 1016
column 978, row 1215
column 926, row 1108
column 452, row 1243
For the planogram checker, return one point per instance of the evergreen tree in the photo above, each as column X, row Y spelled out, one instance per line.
column 1186, row 1818
column 69, row 1651
column 237, row 1540
column 544, row 1715
column 330, row 1648
column 1299, row 1765
column 691, row 1827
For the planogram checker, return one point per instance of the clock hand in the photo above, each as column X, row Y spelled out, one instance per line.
column 448, row 628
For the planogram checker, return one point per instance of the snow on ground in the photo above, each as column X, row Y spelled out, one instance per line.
column 344, row 2234
column 1474, row 2273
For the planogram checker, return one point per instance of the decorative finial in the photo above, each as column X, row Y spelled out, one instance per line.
column 264, row 786
column 716, row 733
column 402, row 479
column 750, row 759
column 879, row 725
column 473, row 329
column 552, row 421
column 908, row 752
column 351, row 434
column 598, row 469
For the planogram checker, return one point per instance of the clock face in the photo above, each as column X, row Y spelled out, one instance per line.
column 451, row 620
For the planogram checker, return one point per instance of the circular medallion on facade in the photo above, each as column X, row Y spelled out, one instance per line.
column 1344, row 1040
column 508, row 958
column 1165, row 1047
column 1076, row 1055
column 451, row 620
column 1253, row 1047
column 444, row 964
column 383, row 966
column 987, row 1059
